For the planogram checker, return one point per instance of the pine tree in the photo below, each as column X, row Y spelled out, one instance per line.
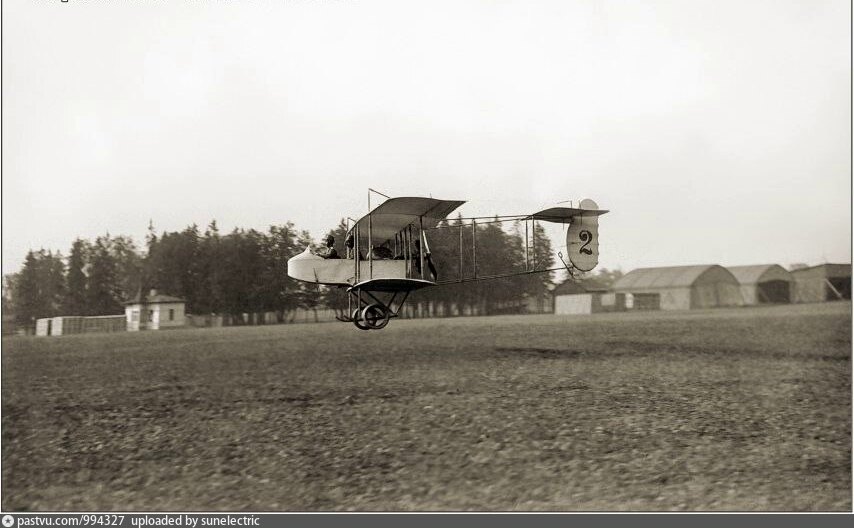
column 52, row 281
column 209, row 296
column 26, row 297
column 174, row 265
column 39, row 288
column 537, row 287
column 103, row 293
column 280, row 244
column 128, row 267
column 75, row 297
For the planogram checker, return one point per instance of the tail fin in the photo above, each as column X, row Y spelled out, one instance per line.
column 582, row 237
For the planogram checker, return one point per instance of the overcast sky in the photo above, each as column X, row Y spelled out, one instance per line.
column 715, row 131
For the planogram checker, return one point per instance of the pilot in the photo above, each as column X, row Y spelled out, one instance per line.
column 349, row 242
column 328, row 252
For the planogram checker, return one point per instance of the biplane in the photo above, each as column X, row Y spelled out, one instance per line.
column 388, row 254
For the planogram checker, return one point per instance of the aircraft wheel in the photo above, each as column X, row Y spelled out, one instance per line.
column 358, row 322
column 375, row 316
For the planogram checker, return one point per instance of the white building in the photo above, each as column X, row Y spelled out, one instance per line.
column 586, row 296
column 154, row 312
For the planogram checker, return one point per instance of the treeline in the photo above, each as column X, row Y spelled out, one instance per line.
column 229, row 274
column 245, row 272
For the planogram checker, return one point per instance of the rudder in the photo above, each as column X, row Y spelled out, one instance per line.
column 582, row 238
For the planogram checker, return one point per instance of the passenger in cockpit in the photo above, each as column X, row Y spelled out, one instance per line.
column 349, row 243
column 328, row 252
column 382, row 252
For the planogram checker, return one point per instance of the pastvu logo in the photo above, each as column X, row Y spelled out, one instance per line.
column 8, row 521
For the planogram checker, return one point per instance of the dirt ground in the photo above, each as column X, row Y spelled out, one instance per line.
column 737, row 409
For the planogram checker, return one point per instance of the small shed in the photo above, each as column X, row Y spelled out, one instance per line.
column 574, row 304
column 680, row 287
column 825, row 282
column 43, row 326
column 764, row 283
column 154, row 311
column 585, row 297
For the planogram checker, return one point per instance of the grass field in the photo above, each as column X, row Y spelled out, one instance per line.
column 742, row 409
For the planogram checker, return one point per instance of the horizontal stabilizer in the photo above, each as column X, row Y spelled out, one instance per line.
column 564, row 215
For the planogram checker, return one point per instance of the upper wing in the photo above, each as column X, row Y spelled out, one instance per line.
column 391, row 216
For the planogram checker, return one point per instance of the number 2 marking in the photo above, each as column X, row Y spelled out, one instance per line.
column 586, row 237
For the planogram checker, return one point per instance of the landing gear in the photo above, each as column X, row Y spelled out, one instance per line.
column 372, row 315
column 355, row 317
column 375, row 316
